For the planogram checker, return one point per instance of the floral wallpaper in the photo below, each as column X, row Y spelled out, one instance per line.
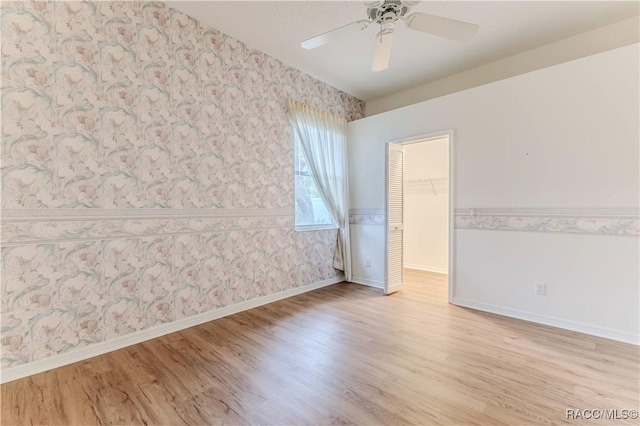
column 165, row 131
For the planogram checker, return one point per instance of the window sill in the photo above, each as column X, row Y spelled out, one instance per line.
column 305, row 228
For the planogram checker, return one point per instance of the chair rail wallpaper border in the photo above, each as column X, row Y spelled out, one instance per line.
column 45, row 231
column 622, row 224
column 367, row 217
column 621, row 221
column 608, row 212
column 25, row 215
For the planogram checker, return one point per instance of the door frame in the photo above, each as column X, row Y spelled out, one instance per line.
column 451, row 261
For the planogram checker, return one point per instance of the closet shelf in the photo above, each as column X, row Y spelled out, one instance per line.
column 432, row 185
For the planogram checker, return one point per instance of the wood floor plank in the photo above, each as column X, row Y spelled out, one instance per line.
column 342, row 355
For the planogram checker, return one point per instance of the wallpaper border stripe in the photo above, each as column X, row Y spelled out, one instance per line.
column 140, row 235
column 20, row 215
column 622, row 221
column 617, row 212
column 47, row 230
column 367, row 211
column 35, row 367
column 367, row 217
column 593, row 223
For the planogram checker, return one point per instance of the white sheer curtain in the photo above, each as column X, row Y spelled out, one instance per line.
column 323, row 141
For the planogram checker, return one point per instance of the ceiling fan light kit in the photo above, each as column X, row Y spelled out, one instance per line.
column 386, row 13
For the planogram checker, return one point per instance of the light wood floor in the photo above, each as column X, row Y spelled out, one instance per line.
column 341, row 355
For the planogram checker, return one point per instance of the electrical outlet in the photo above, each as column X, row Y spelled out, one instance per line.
column 367, row 263
column 540, row 289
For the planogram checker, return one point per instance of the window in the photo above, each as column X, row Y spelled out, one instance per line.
column 311, row 211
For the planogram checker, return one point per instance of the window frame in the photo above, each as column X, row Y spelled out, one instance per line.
column 311, row 227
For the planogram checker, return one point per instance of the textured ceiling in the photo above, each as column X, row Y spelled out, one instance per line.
column 506, row 28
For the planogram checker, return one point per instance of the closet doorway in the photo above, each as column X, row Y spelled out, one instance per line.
column 419, row 238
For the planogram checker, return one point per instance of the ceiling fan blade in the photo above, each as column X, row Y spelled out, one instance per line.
column 325, row 38
column 382, row 50
column 441, row 26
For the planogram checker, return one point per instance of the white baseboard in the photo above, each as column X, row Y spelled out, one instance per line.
column 368, row 282
column 24, row 370
column 607, row 333
column 427, row 268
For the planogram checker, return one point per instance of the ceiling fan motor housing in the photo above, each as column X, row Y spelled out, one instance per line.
column 387, row 11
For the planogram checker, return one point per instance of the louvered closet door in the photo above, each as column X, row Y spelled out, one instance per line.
column 395, row 218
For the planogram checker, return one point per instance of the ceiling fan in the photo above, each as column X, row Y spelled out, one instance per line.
column 387, row 13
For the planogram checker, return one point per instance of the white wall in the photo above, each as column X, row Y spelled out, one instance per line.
column 602, row 39
column 426, row 212
column 560, row 137
column 592, row 280
column 361, row 251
